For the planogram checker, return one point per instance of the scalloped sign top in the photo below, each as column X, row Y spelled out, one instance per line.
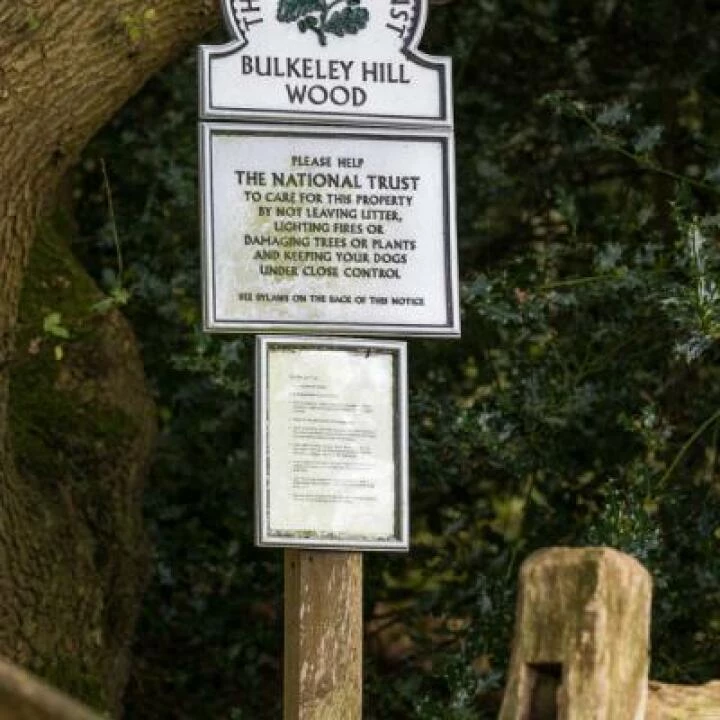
column 342, row 61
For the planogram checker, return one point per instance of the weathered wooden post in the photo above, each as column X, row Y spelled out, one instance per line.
column 328, row 208
column 683, row 702
column 323, row 635
column 581, row 642
column 580, row 650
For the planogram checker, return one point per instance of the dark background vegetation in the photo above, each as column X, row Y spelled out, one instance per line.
column 582, row 405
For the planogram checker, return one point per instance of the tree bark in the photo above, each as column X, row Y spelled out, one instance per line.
column 70, row 524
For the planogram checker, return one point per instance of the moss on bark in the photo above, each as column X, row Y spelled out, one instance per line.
column 81, row 430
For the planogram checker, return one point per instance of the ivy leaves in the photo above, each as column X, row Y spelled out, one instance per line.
column 316, row 16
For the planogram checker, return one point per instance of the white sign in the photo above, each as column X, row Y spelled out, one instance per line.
column 332, row 455
column 325, row 61
column 343, row 231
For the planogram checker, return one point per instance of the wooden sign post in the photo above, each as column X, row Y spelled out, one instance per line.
column 332, row 473
column 327, row 204
column 323, row 635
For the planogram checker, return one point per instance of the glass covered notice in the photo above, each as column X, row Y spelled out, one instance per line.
column 332, row 436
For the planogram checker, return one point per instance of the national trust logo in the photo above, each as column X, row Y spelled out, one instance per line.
column 324, row 17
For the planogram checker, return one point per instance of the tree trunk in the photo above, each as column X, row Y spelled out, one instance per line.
column 76, row 422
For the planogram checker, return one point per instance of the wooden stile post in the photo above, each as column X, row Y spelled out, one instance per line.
column 581, row 642
column 323, row 635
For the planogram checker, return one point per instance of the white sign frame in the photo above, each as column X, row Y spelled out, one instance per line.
column 390, row 504
column 444, row 296
column 393, row 36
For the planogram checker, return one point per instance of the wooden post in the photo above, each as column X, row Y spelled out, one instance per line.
column 323, row 635
column 581, row 638
column 670, row 702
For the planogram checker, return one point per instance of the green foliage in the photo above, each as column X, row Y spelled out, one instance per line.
column 52, row 325
column 117, row 297
column 580, row 407
column 315, row 15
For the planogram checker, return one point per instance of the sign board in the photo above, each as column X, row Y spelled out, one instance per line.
column 332, row 456
column 344, row 226
column 320, row 61
column 329, row 230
